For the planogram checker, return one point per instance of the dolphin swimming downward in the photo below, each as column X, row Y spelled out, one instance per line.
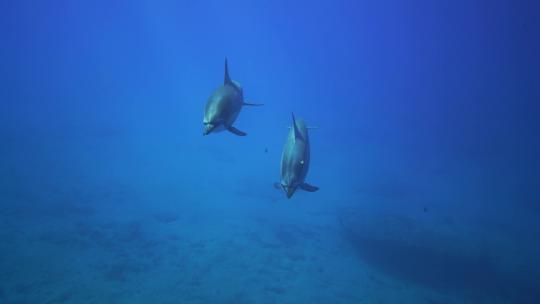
column 223, row 107
column 295, row 159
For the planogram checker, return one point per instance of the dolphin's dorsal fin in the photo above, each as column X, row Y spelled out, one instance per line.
column 227, row 79
column 297, row 133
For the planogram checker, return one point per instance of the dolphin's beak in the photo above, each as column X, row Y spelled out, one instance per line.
column 290, row 191
column 208, row 128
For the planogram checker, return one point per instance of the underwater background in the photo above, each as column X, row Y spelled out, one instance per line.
column 425, row 151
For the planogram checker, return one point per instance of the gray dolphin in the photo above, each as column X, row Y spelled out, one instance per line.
column 295, row 159
column 223, row 107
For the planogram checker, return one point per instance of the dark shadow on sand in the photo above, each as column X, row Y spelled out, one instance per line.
column 432, row 260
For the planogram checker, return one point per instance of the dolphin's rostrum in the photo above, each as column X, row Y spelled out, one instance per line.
column 223, row 107
column 295, row 159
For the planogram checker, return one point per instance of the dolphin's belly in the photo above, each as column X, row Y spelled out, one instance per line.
column 293, row 153
column 219, row 128
column 235, row 111
column 223, row 106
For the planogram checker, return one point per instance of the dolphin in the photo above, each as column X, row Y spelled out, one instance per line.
column 223, row 107
column 295, row 159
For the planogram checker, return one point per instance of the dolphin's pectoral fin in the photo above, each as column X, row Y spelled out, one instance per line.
column 308, row 187
column 277, row 186
column 236, row 131
column 253, row 104
column 308, row 127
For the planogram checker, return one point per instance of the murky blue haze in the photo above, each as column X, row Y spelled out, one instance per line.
column 425, row 152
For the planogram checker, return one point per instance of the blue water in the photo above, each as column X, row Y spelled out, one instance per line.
column 425, row 151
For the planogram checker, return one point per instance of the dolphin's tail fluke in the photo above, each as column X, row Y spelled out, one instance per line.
column 227, row 79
